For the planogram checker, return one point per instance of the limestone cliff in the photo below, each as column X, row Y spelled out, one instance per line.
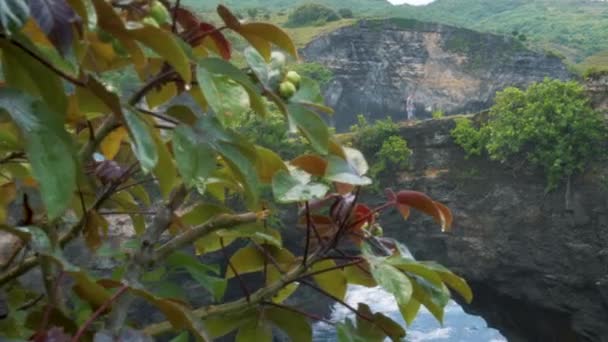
column 377, row 64
column 539, row 272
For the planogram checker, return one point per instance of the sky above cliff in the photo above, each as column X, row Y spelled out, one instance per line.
column 411, row 2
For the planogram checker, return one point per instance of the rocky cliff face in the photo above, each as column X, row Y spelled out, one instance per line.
column 377, row 64
column 539, row 271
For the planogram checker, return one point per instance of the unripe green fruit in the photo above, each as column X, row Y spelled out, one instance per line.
column 287, row 89
column 150, row 21
column 159, row 13
column 294, row 78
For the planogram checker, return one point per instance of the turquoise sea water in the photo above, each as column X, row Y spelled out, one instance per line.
column 458, row 325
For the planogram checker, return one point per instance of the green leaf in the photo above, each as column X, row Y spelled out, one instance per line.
column 219, row 66
column 165, row 170
column 309, row 94
column 202, row 273
column 339, row 170
column 332, row 282
column 347, row 332
column 409, row 311
column 23, row 72
column 163, row 43
column 257, row 63
column 143, row 144
column 13, row 14
column 48, row 147
column 311, row 125
column 296, row 326
column 183, row 337
column 393, row 281
column 433, row 298
column 416, row 268
column 254, row 330
column 355, row 275
column 221, row 326
column 296, row 187
column 195, row 161
column 453, row 281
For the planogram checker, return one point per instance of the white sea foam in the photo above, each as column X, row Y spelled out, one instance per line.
column 433, row 335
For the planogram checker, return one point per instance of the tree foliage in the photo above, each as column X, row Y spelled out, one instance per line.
column 551, row 125
column 311, row 14
column 75, row 150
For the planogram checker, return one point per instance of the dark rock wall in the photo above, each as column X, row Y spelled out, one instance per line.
column 539, row 270
column 378, row 64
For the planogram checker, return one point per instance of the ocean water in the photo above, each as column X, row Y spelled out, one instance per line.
column 458, row 325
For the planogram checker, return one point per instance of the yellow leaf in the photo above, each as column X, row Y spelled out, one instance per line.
column 109, row 21
column 157, row 97
column 332, row 282
column 95, row 229
column 267, row 164
column 162, row 42
column 111, row 144
column 271, row 33
column 263, row 46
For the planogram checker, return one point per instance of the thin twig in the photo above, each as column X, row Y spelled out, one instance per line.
column 303, row 313
column 236, row 273
column 158, row 116
column 329, row 269
column 154, row 82
column 308, row 228
column 127, row 186
column 99, row 311
column 325, row 293
column 268, row 256
column 44, row 62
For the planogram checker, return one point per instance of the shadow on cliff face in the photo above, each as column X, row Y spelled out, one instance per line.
column 539, row 271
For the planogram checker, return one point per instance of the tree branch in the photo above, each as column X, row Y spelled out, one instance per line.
column 99, row 311
column 236, row 273
column 219, row 222
column 239, row 305
column 44, row 62
column 303, row 313
column 111, row 123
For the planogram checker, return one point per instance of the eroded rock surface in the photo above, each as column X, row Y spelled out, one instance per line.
column 377, row 64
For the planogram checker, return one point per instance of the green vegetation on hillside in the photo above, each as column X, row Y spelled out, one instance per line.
column 575, row 28
column 311, row 15
column 550, row 125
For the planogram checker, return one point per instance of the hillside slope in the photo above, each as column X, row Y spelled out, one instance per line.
column 575, row 28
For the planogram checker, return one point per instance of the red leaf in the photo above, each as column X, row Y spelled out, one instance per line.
column 229, row 19
column 222, row 45
column 311, row 163
column 187, row 20
column 424, row 203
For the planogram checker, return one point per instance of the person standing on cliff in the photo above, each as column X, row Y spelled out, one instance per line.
column 410, row 108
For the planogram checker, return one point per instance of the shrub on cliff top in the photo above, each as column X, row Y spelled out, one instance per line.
column 85, row 148
column 311, row 14
column 551, row 125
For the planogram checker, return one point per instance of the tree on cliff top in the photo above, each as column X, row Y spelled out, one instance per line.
column 86, row 151
column 550, row 125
